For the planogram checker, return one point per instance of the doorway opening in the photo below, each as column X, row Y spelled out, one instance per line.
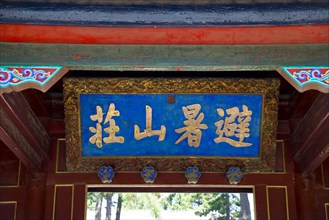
column 170, row 204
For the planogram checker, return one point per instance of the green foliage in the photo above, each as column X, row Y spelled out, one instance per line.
column 93, row 196
column 91, row 200
column 204, row 204
column 212, row 205
column 143, row 201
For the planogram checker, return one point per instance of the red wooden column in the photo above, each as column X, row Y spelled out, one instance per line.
column 36, row 195
column 261, row 202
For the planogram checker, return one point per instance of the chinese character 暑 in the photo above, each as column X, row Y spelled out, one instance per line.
column 232, row 128
column 111, row 129
column 148, row 132
column 193, row 125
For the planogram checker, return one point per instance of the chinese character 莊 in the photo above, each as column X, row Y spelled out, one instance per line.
column 148, row 132
column 112, row 128
column 232, row 128
column 193, row 125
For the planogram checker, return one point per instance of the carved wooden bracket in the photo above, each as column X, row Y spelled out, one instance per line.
column 18, row 78
column 22, row 131
column 307, row 78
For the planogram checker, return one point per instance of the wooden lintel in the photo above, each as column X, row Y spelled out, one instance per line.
column 310, row 138
column 22, row 131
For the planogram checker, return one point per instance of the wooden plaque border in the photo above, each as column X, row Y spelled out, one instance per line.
column 268, row 88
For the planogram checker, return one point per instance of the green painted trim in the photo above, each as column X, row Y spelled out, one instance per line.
column 165, row 57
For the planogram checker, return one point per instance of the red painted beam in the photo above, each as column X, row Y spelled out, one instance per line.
column 147, row 35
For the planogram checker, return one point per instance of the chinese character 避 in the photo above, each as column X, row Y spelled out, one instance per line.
column 193, row 126
column 148, row 132
column 111, row 129
column 230, row 128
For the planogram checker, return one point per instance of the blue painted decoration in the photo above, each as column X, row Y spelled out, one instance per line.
column 192, row 175
column 17, row 75
column 234, row 175
column 149, row 174
column 106, row 174
column 307, row 75
column 173, row 125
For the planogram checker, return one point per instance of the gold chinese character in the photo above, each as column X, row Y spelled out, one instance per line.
column 97, row 137
column 148, row 132
column 111, row 129
column 111, row 112
column 230, row 128
column 193, row 126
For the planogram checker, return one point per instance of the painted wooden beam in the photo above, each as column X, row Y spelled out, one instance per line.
column 22, row 131
column 310, row 139
column 164, row 57
column 174, row 35
column 165, row 15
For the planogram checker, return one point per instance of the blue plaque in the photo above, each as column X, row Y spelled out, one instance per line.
column 156, row 125
column 171, row 123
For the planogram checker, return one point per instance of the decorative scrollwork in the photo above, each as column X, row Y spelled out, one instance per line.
column 25, row 77
column 305, row 78
column 12, row 76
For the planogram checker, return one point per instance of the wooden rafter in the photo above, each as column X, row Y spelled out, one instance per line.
column 22, row 131
column 310, row 138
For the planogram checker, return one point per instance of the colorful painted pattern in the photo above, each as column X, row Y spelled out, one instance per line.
column 106, row 174
column 14, row 76
column 234, row 175
column 149, row 174
column 192, row 175
column 307, row 75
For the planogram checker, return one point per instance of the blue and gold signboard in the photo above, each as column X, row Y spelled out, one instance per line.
column 170, row 123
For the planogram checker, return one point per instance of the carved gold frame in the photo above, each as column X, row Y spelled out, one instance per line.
column 268, row 88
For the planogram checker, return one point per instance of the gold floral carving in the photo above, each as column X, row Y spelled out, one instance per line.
column 73, row 87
